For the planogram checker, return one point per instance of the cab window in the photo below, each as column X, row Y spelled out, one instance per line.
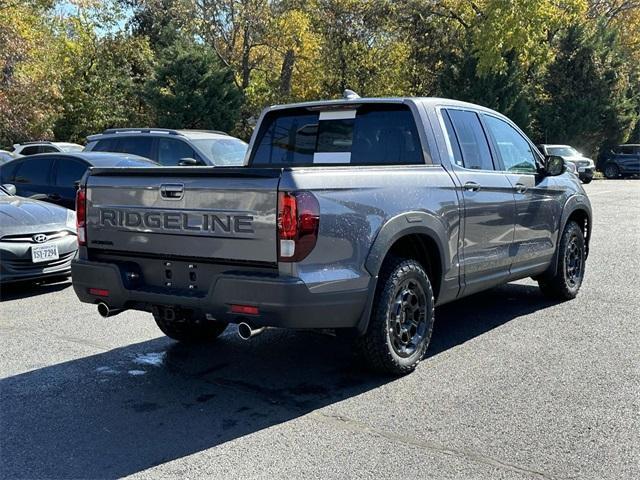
column 515, row 152
column 363, row 135
column 466, row 134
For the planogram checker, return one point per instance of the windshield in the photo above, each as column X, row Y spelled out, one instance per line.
column 222, row 151
column 563, row 151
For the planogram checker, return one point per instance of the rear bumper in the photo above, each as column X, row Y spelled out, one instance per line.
column 282, row 301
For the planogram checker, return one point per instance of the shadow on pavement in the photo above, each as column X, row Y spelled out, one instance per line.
column 19, row 290
column 128, row 409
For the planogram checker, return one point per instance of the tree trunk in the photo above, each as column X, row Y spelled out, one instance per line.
column 286, row 73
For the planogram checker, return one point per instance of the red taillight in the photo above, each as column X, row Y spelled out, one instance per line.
column 244, row 309
column 100, row 292
column 81, row 215
column 298, row 221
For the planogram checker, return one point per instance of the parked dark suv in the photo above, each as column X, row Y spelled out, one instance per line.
column 172, row 147
column 622, row 161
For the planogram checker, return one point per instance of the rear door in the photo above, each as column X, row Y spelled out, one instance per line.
column 67, row 171
column 489, row 204
column 538, row 206
column 195, row 212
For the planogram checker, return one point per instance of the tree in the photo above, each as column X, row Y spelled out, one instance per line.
column 360, row 48
column 503, row 91
column 235, row 29
column 104, row 75
column 191, row 88
column 161, row 22
column 589, row 100
column 29, row 90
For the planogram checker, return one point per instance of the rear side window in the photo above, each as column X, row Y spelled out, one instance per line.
column 34, row 171
column 135, row 145
column 366, row 135
column 471, row 138
column 106, row 145
column 47, row 149
column 69, row 171
column 31, row 150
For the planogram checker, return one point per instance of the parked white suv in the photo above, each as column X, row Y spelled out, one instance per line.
column 31, row 148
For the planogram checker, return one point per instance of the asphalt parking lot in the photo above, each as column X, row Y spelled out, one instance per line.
column 514, row 386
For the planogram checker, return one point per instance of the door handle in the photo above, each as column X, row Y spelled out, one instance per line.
column 472, row 186
column 520, row 188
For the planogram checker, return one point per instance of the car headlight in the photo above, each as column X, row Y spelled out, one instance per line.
column 71, row 220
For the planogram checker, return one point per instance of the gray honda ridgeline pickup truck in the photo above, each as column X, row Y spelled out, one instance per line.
column 357, row 216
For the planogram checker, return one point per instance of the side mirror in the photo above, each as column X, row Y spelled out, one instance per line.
column 10, row 188
column 553, row 165
column 188, row 162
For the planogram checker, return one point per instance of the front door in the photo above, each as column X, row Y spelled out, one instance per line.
column 538, row 205
column 489, row 204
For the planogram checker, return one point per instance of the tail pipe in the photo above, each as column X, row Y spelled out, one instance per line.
column 105, row 311
column 246, row 331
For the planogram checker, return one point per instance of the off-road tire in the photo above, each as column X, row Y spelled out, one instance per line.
column 611, row 171
column 189, row 328
column 561, row 286
column 376, row 347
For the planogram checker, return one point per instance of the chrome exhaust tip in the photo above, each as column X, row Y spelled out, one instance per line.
column 105, row 311
column 245, row 331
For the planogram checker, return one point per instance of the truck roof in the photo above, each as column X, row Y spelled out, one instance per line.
column 343, row 102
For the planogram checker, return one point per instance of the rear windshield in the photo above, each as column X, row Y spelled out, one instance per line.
column 366, row 135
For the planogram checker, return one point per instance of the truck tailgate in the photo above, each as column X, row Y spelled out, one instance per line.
column 199, row 212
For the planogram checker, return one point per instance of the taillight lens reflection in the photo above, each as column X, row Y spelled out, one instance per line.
column 81, row 214
column 298, row 222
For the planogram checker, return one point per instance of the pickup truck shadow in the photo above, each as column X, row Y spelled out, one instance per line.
column 128, row 409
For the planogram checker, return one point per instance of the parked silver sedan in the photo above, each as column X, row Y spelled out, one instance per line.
column 37, row 239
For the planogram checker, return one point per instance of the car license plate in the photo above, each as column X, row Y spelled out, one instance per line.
column 582, row 169
column 44, row 253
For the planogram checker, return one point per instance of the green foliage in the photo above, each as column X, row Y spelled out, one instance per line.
column 192, row 89
column 588, row 101
column 503, row 91
column 29, row 80
column 103, row 80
